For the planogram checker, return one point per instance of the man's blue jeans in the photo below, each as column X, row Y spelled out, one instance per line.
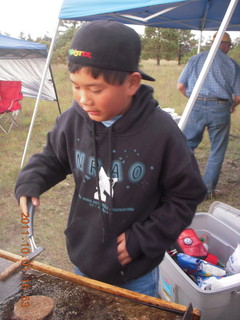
column 215, row 116
column 147, row 284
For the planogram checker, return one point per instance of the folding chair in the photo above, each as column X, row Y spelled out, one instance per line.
column 10, row 107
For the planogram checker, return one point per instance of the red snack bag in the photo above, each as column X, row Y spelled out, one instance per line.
column 189, row 243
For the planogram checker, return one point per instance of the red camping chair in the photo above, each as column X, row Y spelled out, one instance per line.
column 10, row 107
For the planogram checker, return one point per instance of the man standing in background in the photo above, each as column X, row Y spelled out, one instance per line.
column 218, row 97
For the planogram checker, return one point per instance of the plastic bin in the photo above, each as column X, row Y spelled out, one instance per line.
column 222, row 226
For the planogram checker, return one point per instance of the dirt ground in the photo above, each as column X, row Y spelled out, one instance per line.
column 229, row 181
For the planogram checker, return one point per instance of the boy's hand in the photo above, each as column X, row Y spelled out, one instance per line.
column 123, row 255
column 23, row 203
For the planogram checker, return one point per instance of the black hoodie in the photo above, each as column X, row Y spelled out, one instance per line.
column 147, row 185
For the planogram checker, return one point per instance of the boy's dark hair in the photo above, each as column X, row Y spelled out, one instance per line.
column 110, row 76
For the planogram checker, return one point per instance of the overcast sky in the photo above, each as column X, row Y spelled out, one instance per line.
column 36, row 18
column 39, row 18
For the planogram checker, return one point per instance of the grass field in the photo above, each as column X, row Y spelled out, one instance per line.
column 50, row 219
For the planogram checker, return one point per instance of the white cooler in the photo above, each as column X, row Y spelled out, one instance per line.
column 222, row 226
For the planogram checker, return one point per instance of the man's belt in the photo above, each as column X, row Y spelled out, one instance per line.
column 211, row 99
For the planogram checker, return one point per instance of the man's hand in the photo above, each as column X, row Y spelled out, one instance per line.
column 234, row 104
column 23, row 203
column 182, row 88
column 123, row 255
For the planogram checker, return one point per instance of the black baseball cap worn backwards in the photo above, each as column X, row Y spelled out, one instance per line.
column 109, row 45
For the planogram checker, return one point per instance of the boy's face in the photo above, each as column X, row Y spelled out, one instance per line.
column 101, row 100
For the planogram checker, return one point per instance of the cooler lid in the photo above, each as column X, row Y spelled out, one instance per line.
column 227, row 214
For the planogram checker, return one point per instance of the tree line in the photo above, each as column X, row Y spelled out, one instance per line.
column 157, row 43
column 177, row 44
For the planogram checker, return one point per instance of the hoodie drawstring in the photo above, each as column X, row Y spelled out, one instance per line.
column 110, row 172
column 97, row 181
column 110, row 175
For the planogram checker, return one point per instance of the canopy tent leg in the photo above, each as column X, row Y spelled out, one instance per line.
column 55, row 89
column 39, row 92
column 199, row 42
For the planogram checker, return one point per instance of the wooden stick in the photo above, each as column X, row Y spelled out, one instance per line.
column 101, row 286
column 9, row 271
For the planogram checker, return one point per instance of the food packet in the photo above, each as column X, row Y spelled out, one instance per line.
column 206, row 283
column 198, row 267
column 233, row 264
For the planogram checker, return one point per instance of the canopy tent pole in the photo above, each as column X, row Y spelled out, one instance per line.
column 55, row 89
column 199, row 42
column 40, row 91
column 207, row 64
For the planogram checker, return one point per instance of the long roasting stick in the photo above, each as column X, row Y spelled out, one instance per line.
column 101, row 286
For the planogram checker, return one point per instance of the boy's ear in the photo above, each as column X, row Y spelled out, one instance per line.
column 134, row 81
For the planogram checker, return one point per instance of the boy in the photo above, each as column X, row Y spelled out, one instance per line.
column 137, row 182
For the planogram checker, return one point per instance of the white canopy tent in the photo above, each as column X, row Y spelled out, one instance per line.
column 24, row 61
column 181, row 14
